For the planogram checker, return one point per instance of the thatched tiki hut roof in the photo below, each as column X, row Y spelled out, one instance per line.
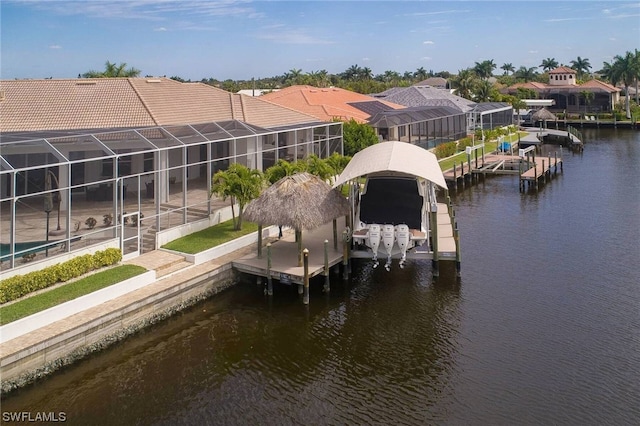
column 543, row 114
column 300, row 201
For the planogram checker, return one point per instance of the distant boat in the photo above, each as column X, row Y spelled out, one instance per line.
column 390, row 211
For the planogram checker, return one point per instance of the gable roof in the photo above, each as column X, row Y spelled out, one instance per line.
column 425, row 96
column 105, row 103
column 327, row 103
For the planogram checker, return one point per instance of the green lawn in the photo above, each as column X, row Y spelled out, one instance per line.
column 67, row 292
column 210, row 237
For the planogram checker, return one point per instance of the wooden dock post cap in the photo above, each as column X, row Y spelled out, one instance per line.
column 305, row 251
column 268, row 244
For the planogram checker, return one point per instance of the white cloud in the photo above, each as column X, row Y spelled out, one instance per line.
column 426, row 58
column 160, row 29
column 291, row 36
column 428, row 42
column 55, row 46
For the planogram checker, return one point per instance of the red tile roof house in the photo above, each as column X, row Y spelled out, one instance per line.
column 331, row 103
column 567, row 93
column 130, row 145
column 415, row 125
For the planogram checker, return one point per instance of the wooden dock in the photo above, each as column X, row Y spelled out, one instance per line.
column 279, row 260
column 284, row 256
column 536, row 168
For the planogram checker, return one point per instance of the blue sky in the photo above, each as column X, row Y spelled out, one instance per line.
column 244, row 39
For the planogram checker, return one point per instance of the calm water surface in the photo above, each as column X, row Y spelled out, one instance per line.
column 543, row 328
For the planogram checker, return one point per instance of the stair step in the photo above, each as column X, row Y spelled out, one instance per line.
column 173, row 267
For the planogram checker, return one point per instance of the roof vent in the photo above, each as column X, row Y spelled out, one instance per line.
column 154, row 80
column 2, row 95
column 85, row 83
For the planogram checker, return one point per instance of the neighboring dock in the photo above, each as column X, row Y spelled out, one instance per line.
column 531, row 168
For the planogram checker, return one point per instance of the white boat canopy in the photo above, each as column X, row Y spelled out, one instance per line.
column 395, row 156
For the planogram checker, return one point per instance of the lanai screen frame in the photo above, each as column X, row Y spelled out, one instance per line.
column 181, row 146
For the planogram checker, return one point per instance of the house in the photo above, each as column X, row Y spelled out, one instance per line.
column 569, row 95
column 423, row 125
column 485, row 115
column 332, row 103
column 123, row 149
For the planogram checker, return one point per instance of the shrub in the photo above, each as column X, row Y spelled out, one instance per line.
column 445, row 149
column 17, row 286
column 464, row 142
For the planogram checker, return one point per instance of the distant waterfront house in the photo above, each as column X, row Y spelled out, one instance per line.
column 485, row 115
column 568, row 95
column 136, row 154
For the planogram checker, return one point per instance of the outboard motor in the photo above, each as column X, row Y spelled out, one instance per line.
column 403, row 237
column 388, row 238
column 374, row 241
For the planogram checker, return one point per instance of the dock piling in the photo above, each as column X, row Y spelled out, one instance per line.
column 259, row 241
column 326, row 287
column 305, row 297
column 434, row 239
column 269, row 279
column 345, row 256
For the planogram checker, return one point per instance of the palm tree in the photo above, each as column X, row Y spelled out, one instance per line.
column 420, row 74
column 484, row 69
column 526, row 74
column 548, row 64
column 240, row 184
column 111, row 70
column 625, row 69
column 582, row 66
column 284, row 168
column 507, row 68
column 482, row 91
column 464, row 83
column 352, row 72
column 365, row 74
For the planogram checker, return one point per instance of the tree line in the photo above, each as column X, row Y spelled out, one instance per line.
column 472, row 83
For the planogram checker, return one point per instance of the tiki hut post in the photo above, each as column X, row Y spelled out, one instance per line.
column 259, row 241
column 299, row 241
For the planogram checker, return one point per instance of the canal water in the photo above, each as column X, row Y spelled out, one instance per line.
column 542, row 328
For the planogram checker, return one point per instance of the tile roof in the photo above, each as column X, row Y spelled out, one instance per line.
column 325, row 103
column 593, row 85
column 597, row 84
column 30, row 105
column 563, row 70
column 104, row 103
column 426, row 96
column 433, row 81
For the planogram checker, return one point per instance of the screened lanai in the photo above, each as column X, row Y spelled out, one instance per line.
column 423, row 126
column 490, row 115
column 134, row 183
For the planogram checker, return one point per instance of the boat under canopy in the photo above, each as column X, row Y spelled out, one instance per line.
column 395, row 209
